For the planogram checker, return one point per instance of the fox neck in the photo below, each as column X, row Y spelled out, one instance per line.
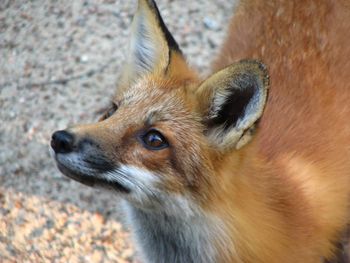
column 253, row 199
column 175, row 238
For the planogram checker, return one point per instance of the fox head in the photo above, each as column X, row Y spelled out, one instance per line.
column 166, row 130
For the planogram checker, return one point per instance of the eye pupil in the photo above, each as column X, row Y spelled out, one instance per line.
column 154, row 140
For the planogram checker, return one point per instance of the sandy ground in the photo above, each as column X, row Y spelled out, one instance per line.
column 59, row 63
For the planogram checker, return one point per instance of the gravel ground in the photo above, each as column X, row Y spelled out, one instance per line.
column 59, row 62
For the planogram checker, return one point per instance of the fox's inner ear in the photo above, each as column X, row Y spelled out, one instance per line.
column 151, row 44
column 233, row 100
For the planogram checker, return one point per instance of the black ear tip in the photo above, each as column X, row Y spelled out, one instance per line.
column 150, row 3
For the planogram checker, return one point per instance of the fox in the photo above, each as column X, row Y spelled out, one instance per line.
column 248, row 164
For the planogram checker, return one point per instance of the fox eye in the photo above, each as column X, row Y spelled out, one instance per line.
column 110, row 111
column 154, row 140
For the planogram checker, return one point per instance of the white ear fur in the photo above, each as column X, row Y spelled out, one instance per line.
column 236, row 97
column 147, row 48
column 150, row 42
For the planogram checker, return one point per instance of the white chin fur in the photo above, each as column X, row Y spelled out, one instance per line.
column 140, row 182
column 132, row 177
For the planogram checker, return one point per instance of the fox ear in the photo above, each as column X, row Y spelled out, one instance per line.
column 233, row 99
column 151, row 44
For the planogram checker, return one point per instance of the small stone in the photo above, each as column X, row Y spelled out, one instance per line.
column 211, row 24
column 84, row 58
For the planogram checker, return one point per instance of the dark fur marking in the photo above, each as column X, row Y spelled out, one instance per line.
column 175, row 162
column 169, row 61
column 189, row 179
column 91, row 180
column 242, row 91
column 93, row 156
column 342, row 255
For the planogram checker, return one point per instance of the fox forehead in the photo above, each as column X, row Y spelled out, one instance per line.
column 155, row 99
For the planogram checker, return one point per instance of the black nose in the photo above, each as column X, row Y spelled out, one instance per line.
column 62, row 142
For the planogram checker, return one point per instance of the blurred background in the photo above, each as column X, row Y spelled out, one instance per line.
column 59, row 65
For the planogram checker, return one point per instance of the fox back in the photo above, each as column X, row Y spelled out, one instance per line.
column 252, row 163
